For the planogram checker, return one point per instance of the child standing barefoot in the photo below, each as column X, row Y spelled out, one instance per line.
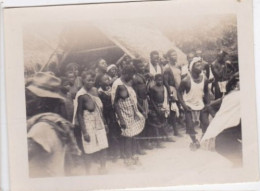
column 158, row 110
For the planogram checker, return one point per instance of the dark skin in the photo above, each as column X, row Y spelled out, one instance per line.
column 121, row 93
column 172, row 57
column 85, row 102
column 155, row 59
column 156, row 93
column 205, row 64
column 105, row 82
column 185, row 85
column 139, row 82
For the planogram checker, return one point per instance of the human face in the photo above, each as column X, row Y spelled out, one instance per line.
column 159, row 81
column 128, row 77
column 105, row 80
column 102, row 65
column 173, row 57
column 112, row 72
column 141, row 67
column 197, row 67
column 89, row 82
column 155, row 59
column 71, row 77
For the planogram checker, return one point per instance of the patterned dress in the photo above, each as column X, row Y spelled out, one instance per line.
column 95, row 128
column 133, row 119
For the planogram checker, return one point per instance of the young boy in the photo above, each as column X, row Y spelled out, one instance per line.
column 158, row 109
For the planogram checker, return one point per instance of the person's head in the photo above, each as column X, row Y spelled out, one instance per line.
column 104, row 80
column 172, row 56
column 158, row 79
column 128, row 73
column 70, row 76
column 112, row 70
column 139, row 65
column 154, row 57
column 196, row 65
column 65, row 86
column 122, row 92
column 43, row 94
column 221, row 56
column 73, row 68
column 127, row 59
column 102, row 65
column 88, row 79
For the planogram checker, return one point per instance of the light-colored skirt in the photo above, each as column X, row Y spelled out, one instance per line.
column 96, row 131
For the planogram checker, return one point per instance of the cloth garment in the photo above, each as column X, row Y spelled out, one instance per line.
column 195, row 116
column 155, row 70
column 61, row 126
column 229, row 115
column 133, row 119
column 175, row 108
column 96, row 131
column 49, row 160
column 156, row 120
column 184, row 70
column 203, row 121
column 194, row 98
column 222, row 86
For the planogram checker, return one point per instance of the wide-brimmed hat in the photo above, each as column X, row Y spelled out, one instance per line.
column 46, row 84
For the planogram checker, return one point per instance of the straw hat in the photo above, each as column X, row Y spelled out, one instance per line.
column 46, row 84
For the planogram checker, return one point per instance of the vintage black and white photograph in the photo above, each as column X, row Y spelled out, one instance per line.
column 123, row 95
column 145, row 94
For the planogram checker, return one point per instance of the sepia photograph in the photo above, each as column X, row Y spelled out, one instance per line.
column 148, row 93
column 113, row 96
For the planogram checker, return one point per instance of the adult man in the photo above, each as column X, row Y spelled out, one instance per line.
column 172, row 80
column 154, row 66
column 193, row 96
column 222, row 71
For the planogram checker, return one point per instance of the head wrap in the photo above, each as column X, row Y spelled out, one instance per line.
column 110, row 67
column 194, row 60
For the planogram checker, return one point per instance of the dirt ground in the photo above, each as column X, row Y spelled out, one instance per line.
column 176, row 156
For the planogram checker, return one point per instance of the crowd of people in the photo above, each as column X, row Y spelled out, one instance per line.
column 112, row 111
